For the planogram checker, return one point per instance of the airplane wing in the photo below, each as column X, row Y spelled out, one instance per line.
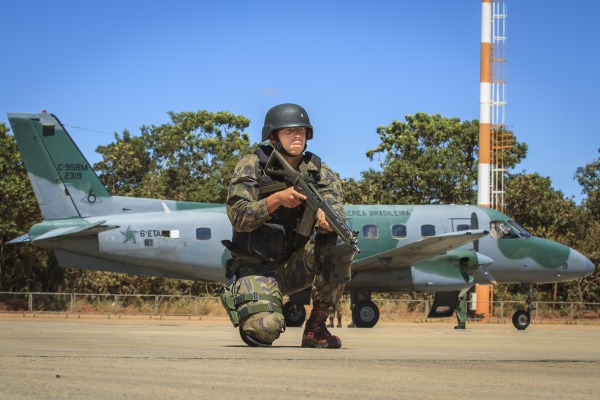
column 416, row 252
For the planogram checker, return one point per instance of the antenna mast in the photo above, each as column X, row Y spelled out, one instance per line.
column 494, row 139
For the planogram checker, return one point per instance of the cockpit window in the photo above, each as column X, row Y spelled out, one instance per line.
column 502, row 230
column 519, row 228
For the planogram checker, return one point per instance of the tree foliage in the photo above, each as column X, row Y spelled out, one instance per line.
column 429, row 159
column 196, row 154
column 22, row 267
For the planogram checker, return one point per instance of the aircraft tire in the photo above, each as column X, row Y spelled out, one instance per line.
column 294, row 314
column 521, row 319
column 365, row 314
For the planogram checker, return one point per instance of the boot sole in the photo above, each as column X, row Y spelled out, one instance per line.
column 313, row 345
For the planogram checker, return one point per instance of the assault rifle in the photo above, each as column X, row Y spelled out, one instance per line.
column 314, row 201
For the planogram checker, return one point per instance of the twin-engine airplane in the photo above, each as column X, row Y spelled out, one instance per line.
column 405, row 248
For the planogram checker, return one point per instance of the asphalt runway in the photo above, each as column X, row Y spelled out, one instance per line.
column 99, row 358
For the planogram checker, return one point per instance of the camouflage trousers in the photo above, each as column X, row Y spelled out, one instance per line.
column 298, row 272
column 461, row 310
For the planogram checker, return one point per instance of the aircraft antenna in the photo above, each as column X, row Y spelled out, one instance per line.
column 494, row 139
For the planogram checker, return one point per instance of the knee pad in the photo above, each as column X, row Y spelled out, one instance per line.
column 262, row 329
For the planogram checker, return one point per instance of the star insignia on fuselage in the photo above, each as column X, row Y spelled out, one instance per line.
column 129, row 235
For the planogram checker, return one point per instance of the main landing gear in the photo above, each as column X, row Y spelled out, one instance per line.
column 365, row 313
column 522, row 318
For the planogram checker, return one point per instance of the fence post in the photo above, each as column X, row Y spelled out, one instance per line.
column 30, row 302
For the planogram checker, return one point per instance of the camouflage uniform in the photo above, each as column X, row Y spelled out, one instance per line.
column 337, row 309
column 461, row 312
column 299, row 270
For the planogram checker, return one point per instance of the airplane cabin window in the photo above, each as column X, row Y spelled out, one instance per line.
column 370, row 231
column 463, row 227
column 203, row 233
column 399, row 231
column 427, row 230
column 148, row 242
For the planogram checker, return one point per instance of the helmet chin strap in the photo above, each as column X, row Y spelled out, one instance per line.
column 279, row 147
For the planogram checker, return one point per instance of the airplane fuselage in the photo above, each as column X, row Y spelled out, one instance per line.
column 178, row 240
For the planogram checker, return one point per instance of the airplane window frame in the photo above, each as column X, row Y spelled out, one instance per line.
column 394, row 231
column 427, row 226
column 366, row 231
column 463, row 227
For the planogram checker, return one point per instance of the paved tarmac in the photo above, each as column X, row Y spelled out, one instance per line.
column 99, row 358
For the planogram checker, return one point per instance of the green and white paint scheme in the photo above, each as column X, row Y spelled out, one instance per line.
column 405, row 248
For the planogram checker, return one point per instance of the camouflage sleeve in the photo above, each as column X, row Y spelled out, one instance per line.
column 245, row 211
column 331, row 188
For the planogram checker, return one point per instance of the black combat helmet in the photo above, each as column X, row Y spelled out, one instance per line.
column 286, row 116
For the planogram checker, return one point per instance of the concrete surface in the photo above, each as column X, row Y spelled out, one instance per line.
column 99, row 358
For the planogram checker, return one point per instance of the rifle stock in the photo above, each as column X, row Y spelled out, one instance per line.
column 314, row 199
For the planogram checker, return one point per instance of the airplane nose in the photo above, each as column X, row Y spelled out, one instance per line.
column 579, row 265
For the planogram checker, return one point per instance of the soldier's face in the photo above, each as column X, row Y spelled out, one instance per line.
column 293, row 139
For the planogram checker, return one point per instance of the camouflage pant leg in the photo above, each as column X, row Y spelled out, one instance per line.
column 461, row 310
column 264, row 327
column 301, row 271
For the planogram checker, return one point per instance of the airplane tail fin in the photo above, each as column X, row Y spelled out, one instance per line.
column 63, row 181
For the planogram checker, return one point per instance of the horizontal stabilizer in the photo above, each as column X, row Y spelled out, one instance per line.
column 89, row 229
column 416, row 252
column 20, row 239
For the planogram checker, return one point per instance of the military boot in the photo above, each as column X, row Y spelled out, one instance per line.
column 315, row 332
column 339, row 325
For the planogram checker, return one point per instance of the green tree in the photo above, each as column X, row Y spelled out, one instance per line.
column 22, row 266
column 429, row 159
column 125, row 164
column 544, row 211
column 194, row 156
column 588, row 177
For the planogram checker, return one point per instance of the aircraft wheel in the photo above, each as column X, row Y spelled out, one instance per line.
column 521, row 319
column 365, row 314
column 294, row 314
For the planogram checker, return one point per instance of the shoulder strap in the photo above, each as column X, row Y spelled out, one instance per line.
column 263, row 153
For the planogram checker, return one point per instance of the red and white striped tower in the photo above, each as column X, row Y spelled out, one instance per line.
column 485, row 107
column 485, row 104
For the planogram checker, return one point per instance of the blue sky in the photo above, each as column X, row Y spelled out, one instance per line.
column 111, row 65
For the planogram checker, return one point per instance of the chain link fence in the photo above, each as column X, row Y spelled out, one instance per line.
column 171, row 305
column 117, row 304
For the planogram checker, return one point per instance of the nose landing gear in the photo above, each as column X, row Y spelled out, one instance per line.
column 522, row 318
